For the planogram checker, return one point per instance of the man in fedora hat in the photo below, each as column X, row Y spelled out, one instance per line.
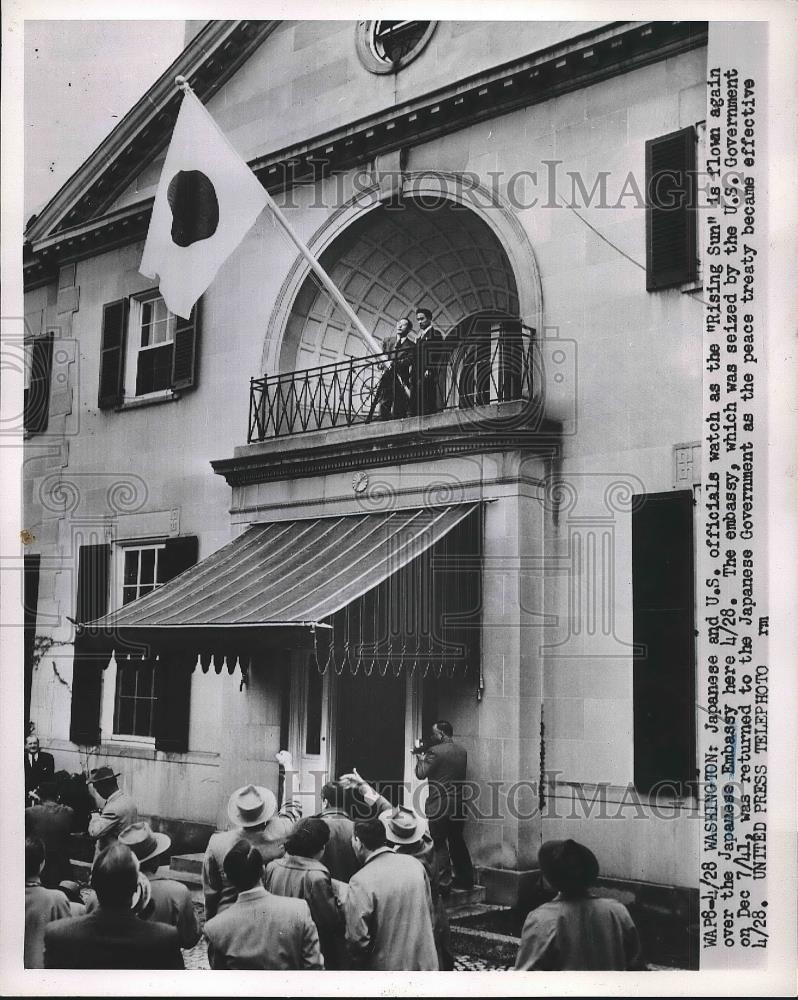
column 407, row 833
column 577, row 930
column 116, row 809
column 169, row 901
column 253, row 815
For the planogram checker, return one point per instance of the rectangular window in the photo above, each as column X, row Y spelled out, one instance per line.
column 663, row 613
column 136, row 693
column 151, row 345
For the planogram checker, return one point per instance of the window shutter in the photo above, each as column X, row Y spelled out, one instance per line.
column 664, row 678
column 30, row 603
column 184, row 358
column 94, row 563
column 173, row 679
column 37, row 397
column 671, row 255
column 112, row 354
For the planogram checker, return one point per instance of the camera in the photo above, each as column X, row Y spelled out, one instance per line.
column 419, row 748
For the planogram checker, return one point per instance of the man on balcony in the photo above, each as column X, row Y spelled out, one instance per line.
column 429, row 368
column 393, row 392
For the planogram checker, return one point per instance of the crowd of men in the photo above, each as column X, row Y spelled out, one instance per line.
column 360, row 886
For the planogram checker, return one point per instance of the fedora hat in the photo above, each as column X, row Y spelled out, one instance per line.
column 403, row 825
column 103, row 773
column 567, row 865
column 251, row 805
column 141, row 840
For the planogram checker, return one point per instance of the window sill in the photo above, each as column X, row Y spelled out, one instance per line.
column 690, row 287
column 151, row 399
column 132, row 741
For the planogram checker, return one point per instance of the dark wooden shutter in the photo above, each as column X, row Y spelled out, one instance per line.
column 671, row 255
column 30, row 601
column 37, row 396
column 664, row 678
column 173, row 679
column 184, row 358
column 112, row 354
column 94, row 563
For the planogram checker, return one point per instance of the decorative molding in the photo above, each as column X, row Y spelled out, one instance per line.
column 594, row 56
column 351, row 449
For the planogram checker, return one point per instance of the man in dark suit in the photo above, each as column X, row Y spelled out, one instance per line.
column 429, row 369
column 39, row 766
column 113, row 936
column 52, row 823
column 443, row 763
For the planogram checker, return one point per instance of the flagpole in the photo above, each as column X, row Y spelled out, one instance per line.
column 182, row 84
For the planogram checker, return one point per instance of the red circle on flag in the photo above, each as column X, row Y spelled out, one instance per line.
column 195, row 207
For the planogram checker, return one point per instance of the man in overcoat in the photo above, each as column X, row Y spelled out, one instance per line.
column 113, row 936
column 388, row 908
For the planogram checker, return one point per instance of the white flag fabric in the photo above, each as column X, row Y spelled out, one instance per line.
column 207, row 200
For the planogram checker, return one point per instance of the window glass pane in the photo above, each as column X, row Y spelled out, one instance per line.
column 129, row 594
column 126, row 680
column 124, row 722
column 143, row 717
column 147, row 567
column 154, row 369
column 131, row 567
column 313, row 716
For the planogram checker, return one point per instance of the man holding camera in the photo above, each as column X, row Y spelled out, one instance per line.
column 443, row 763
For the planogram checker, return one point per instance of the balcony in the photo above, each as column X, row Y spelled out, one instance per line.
column 494, row 364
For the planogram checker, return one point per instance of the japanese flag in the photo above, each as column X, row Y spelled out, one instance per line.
column 206, row 201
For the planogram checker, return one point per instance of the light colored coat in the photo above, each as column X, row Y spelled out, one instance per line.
column 584, row 934
column 42, row 906
column 263, row 931
column 219, row 892
column 118, row 812
column 389, row 915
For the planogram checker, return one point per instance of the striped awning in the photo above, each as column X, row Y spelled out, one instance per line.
column 288, row 575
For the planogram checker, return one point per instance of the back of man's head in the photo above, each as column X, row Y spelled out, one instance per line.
column 34, row 856
column 334, row 794
column 444, row 727
column 370, row 833
column 243, row 865
column 48, row 791
column 115, row 876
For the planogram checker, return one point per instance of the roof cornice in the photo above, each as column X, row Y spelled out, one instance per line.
column 597, row 55
column 207, row 62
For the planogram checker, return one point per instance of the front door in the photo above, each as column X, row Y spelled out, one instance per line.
column 310, row 709
column 370, row 730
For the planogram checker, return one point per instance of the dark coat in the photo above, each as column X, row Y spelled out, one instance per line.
column 339, row 855
column 444, row 766
column 42, row 769
column 304, row 878
column 111, row 939
column 52, row 824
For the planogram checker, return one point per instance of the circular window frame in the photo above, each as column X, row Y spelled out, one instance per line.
column 364, row 43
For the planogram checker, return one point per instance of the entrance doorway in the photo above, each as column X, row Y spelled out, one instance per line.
column 370, row 730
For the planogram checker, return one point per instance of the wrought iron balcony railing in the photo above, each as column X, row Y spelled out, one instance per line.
column 493, row 364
